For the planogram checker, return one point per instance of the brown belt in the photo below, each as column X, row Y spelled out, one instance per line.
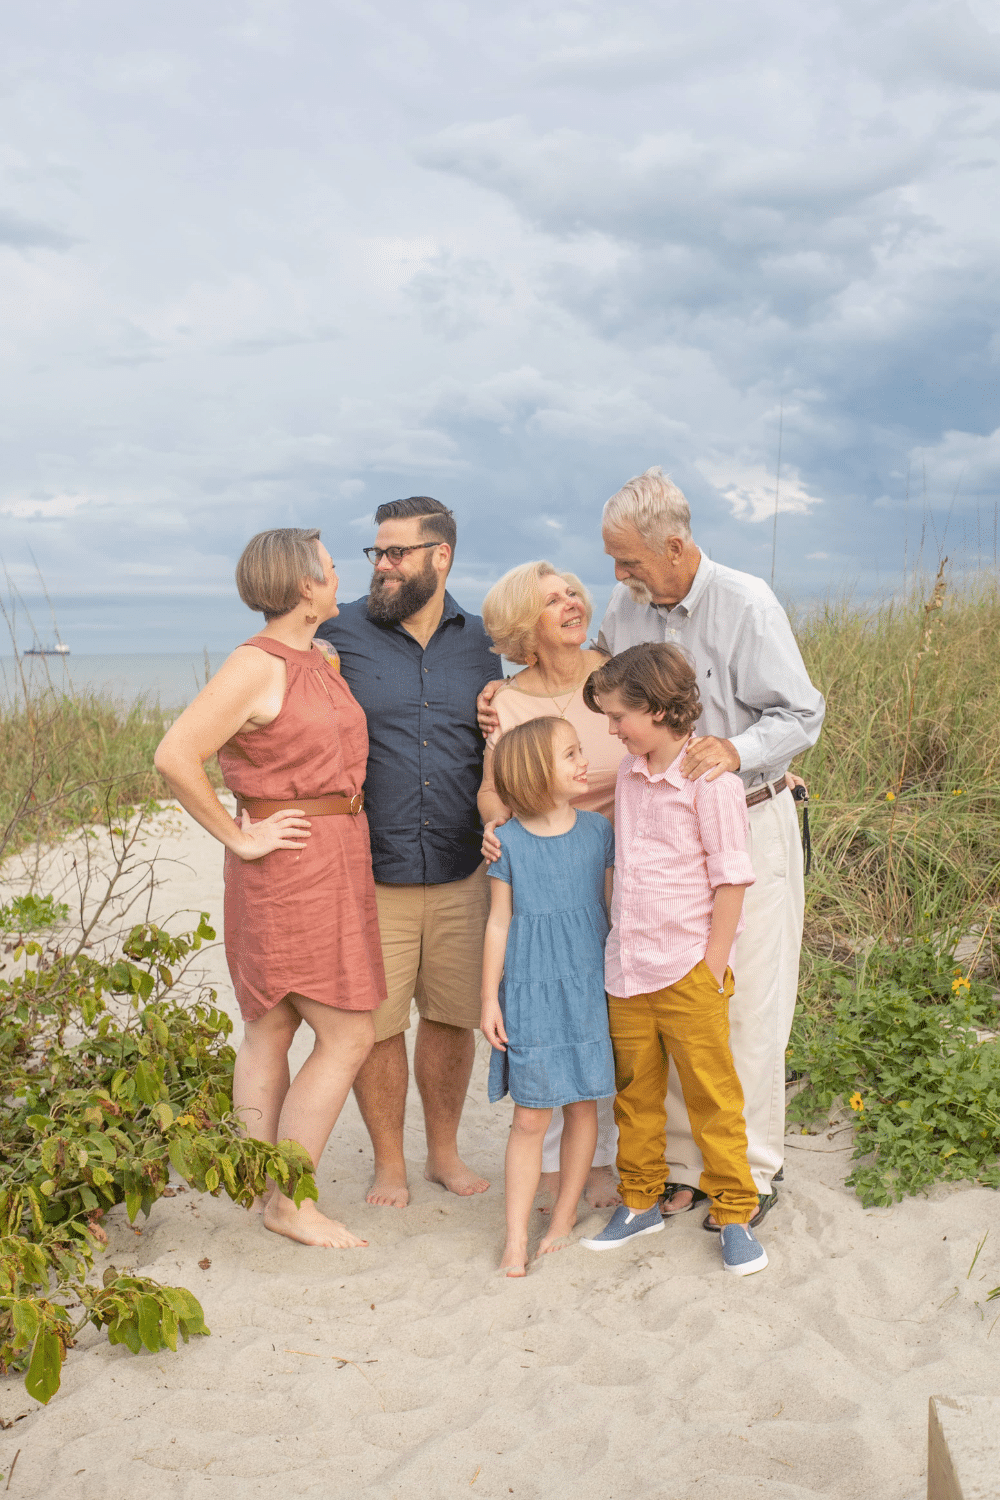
column 767, row 793
column 310, row 807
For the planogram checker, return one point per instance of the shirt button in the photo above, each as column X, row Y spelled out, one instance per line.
column 425, row 742
column 426, row 783
column 427, row 705
column 427, row 822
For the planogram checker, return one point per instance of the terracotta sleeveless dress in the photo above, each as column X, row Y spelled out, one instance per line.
column 303, row 921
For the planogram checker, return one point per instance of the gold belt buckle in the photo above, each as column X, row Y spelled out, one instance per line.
column 357, row 803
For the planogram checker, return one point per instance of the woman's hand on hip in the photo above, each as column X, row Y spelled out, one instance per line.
column 492, row 848
column 282, row 830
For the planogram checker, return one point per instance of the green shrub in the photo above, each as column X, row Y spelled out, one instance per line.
column 107, row 1080
column 900, row 1046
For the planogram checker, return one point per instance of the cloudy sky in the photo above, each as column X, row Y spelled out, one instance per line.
column 271, row 262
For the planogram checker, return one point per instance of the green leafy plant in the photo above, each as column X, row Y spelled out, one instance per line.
column 107, row 1080
column 900, row 1045
column 32, row 914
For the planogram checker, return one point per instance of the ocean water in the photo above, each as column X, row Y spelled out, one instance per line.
column 170, row 678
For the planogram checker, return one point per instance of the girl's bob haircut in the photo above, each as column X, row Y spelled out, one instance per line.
column 524, row 760
column 513, row 607
column 659, row 679
column 272, row 566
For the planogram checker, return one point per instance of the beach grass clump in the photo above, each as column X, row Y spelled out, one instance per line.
column 905, row 779
column 66, row 755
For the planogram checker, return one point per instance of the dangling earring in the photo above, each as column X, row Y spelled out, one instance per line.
column 311, row 619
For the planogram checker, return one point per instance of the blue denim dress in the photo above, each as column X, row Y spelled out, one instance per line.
column 552, row 995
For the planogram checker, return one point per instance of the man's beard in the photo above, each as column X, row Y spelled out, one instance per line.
column 639, row 592
column 393, row 606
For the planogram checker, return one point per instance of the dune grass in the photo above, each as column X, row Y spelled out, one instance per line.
column 904, row 784
column 72, row 759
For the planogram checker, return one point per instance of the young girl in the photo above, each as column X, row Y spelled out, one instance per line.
column 544, row 1008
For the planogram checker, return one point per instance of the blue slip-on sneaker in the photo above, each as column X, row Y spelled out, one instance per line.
column 742, row 1251
column 626, row 1224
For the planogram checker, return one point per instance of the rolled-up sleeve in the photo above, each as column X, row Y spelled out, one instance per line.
column 723, row 823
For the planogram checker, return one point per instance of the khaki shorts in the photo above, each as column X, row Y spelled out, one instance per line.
column 432, row 947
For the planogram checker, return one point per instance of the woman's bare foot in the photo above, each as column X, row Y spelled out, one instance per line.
column 307, row 1225
column 602, row 1188
column 548, row 1192
column 389, row 1187
column 679, row 1203
column 515, row 1258
column 454, row 1175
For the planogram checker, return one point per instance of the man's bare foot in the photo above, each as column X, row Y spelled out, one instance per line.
column 456, row 1177
column 679, row 1203
column 307, row 1225
column 602, row 1188
column 389, row 1188
column 548, row 1192
column 515, row 1259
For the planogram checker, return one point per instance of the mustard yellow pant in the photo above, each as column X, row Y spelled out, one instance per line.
column 689, row 1022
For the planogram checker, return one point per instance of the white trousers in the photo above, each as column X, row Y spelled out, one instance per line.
column 607, row 1137
column 766, row 969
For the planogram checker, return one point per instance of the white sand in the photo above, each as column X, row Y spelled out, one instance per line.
column 646, row 1372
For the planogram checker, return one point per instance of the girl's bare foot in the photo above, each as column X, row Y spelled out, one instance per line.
column 307, row 1225
column 602, row 1188
column 558, row 1235
column 515, row 1258
column 548, row 1192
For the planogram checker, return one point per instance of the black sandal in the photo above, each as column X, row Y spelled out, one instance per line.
column 669, row 1194
column 766, row 1202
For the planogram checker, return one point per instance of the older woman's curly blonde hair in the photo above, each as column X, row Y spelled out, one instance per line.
column 513, row 607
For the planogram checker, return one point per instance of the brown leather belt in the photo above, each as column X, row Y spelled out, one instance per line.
column 767, row 793
column 310, row 807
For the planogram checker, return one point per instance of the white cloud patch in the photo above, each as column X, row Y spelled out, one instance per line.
column 751, row 491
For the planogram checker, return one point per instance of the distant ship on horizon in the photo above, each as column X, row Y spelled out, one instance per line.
column 37, row 649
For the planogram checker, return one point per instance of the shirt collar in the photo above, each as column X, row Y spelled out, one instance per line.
column 640, row 767
column 699, row 583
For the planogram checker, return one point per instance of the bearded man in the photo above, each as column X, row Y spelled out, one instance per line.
column 415, row 661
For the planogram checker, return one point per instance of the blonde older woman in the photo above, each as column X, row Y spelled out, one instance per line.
column 301, row 927
column 538, row 617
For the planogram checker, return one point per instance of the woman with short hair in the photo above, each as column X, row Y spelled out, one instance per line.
column 301, row 929
column 538, row 616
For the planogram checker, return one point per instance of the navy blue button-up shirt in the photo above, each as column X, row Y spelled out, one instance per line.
column 425, row 752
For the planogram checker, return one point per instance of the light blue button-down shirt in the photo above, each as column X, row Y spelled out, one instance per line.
column 754, row 687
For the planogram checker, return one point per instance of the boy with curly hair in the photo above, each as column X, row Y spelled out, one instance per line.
column 681, row 869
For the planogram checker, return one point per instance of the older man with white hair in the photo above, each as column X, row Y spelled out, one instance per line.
column 759, row 710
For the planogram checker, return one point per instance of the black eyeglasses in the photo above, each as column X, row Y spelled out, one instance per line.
column 394, row 554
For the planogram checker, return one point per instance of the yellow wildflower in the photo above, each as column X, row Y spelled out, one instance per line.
column 957, row 792
column 857, row 1103
column 961, row 983
column 890, row 796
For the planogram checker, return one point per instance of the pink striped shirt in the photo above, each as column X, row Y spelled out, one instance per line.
column 675, row 842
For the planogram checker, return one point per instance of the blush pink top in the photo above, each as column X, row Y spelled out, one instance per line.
column 602, row 750
column 303, row 921
column 676, row 841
